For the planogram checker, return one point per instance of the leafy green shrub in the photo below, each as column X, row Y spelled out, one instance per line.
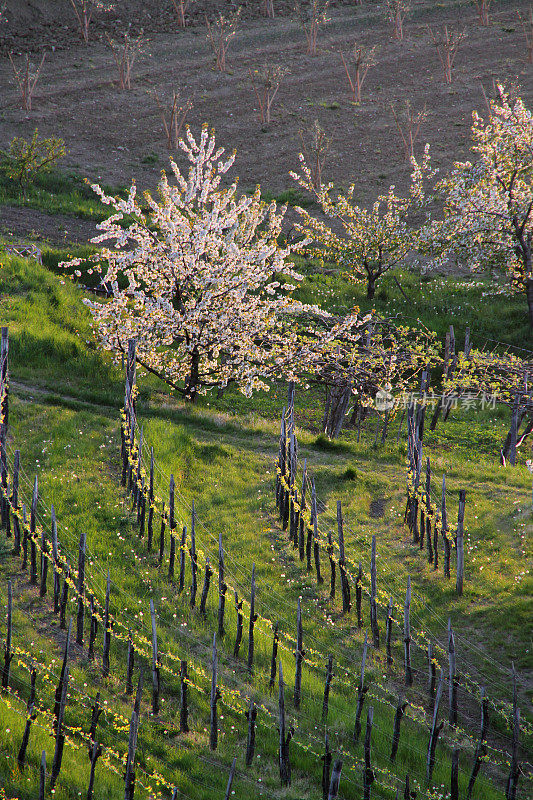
column 24, row 160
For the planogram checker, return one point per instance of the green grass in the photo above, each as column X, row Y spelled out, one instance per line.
column 56, row 193
column 64, row 418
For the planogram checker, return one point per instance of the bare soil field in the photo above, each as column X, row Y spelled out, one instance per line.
column 118, row 135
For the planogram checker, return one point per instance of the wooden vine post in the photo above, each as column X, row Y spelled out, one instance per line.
column 373, row 594
column 130, row 662
column 481, row 748
column 42, row 775
column 253, row 620
column 155, row 664
column 215, row 697
column 326, row 768
column 184, row 707
column 345, row 585
column 285, row 735
column 33, row 522
column 316, row 545
column 222, row 588
column 327, row 686
column 301, row 526
column 452, row 678
column 107, row 630
column 15, row 503
column 335, row 780
column 407, row 635
column 194, row 559
column 55, row 559
column 81, row 588
column 460, row 543
column 181, row 580
column 172, row 527
column 239, row 632
column 444, row 529
column 400, row 710
column 388, row 631
column 274, row 657
column 205, row 589
column 8, row 655
column 150, row 523
column 129, row 774
column 230, row 779
column 60, row 736
column 299, row 657
column 251, row 716
column 61, row 682
column 30, row 718
column 368, row 774
column 93, row 630
column 436, row 728
column 64, row 599
column 44, row 564
column 359, row 596
column 361, row 692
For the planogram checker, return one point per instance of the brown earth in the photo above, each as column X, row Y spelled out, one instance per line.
column 117, row 135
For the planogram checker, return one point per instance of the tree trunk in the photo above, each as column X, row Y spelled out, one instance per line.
column 371, row 288
column 529, row 295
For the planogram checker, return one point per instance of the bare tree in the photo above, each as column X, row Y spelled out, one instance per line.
column 363, row 58
column 124, row 53
column 268, row 8
column 26, row 78
column 176, row 113
column 316, row 152
column 265, row 83
column 219, row 35
column 409, row 127
column 85, row 11
column 527, row 26
column 446, row 45
column 483, row 8
column 181, row 7
column 311, row 15
column 397, row 10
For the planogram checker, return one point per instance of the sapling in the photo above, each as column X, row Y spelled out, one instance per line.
column 177, row 114
column 265, row 83
column 446, row 45
column 362, row 58
column 181, row 7
column 483, row 8
column 219, row 35
column 124, row 53
column 397, row 10
column 315, row 152
column 409, row 128
column 26, row 78
column 85, row 11
column 311, row 15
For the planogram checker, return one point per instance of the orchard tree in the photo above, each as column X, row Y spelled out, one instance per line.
column 200, row 281
column 488, row 219
column 374, row 240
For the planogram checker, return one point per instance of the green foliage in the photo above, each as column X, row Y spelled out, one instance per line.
column 24, row 160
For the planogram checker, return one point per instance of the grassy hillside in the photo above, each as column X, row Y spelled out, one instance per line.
column 64, row 418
